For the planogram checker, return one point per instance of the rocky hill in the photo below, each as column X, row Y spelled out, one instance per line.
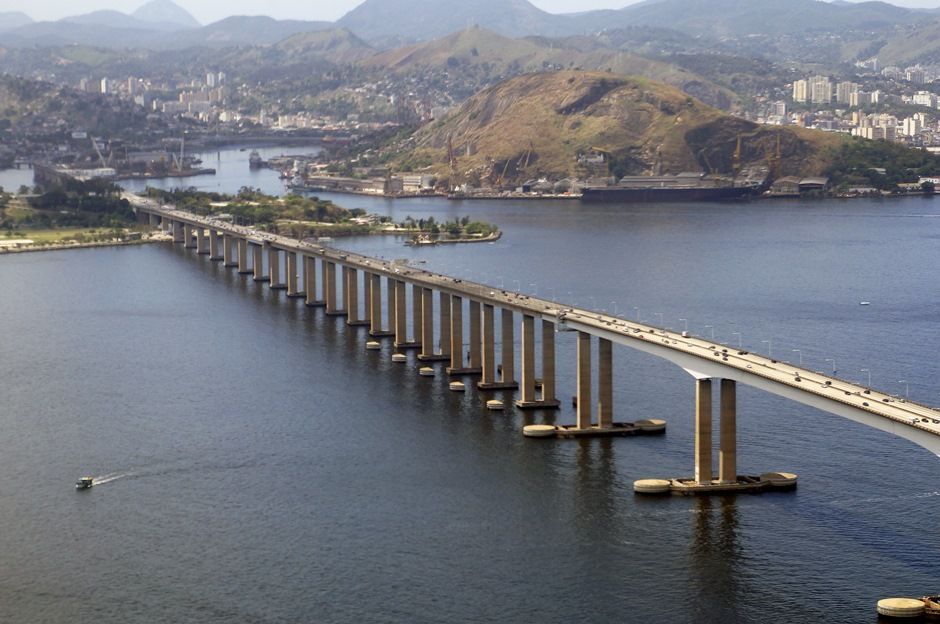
column 540, row 123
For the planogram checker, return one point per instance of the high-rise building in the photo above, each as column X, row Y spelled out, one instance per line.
column 859, row 99
column 211, row 80
column 844, row 90
column 925, row 98
column 132, row 86
column 800, row 91
column 912, row 126
column 820, row 90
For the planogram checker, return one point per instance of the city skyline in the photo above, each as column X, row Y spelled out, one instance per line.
column 208, row 11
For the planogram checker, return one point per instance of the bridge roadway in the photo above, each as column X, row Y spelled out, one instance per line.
column 702, row 358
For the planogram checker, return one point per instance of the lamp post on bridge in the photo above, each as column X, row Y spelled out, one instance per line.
column 637, row 310
column 740, row 340
column 833, row 360
column 907, row 388
column 800, row 353
column 770, row 348
column 865, row 370
column 686, row 326
column 535, row 289
column 711, row 327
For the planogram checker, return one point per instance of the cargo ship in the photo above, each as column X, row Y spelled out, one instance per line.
column 683, row 187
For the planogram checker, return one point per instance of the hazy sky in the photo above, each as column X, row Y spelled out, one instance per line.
column 207, row 11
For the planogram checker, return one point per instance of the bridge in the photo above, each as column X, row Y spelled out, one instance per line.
column 331, row 279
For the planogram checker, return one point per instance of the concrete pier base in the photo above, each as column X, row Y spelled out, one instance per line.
column 464, row 371
column 744, row 484
column 647, row 427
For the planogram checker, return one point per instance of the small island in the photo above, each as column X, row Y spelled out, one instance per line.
column 311, row 217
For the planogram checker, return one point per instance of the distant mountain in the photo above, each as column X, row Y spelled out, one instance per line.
column 420, row 20
column 165, row 12
column 13, row 19
column 336, row 45
column 114, row 30
column 240, row 31
column 918, row 43
column 723, row 18
column 490, row 57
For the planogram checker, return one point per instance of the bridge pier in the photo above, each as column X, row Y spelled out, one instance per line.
column 188, row 237
column 274, row 269
column 229, row 259
column 243, row 256
column 728, row 481
column 528, row 398
column 488, row 343
column 351, row 284
column 179, row 235
column 401, row 316
column 476, row 340
column 457, row 363
column 310, row 282
column 374, row 286
column 257, row 264
column 154, row 220
column 215, row 247
column 329, row 294
column 427, row 353
column 502, row 377
column 202, row 243
column 292, row 275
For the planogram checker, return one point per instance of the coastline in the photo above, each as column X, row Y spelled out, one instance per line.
column 63, row 246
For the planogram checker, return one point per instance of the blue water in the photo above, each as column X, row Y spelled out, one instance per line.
column 270, row 469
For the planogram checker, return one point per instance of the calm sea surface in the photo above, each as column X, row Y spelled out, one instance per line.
column 267, row 468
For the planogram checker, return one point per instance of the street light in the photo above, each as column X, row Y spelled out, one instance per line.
column 552, row 289
column 593, row 302
column 614, row 307
column 769, row 348
column 711, row 327
column 907, row 388
column 518, row 285
column 800, row 354
column 660, row 315
column 535, row 289
column 833, row 360
column 686, row 321
column 865, row 370
column 499, row 282
column 740, row 341
column 637, row 310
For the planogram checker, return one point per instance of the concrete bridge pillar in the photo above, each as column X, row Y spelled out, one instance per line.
column 367, row 298
column 293, row 278
column 215, row 247
column 528, row 362
column 243, row 256
column 331, row 295
column 228, row 258
column 445, row 324
column 548, row 365
column 727, row 451
column 417, row 315
column 488, row 347
column 188, row 237
column 605, row 384
column 507, row 378
column 374, row 287
column 179, row 235
column 154, row 220
column 202, row 243
column 401, row 313
column 351, row 284
column 703, row 431
column 476, row 343
column 427, row 324
column 584, row 380
column 310, row 282
column 456, row 335
column 257, row 263
column 274, row 268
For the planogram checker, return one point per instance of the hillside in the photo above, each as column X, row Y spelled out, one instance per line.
column 490, row 57
column 920, row 43
column 165, row 12
column 421, row 20
column 13, row 19
column 336, row 45
column 548, row 119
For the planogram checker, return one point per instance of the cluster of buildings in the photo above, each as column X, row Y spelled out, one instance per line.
column 200, row 99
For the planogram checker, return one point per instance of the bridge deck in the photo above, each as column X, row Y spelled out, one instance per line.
column 696, row 353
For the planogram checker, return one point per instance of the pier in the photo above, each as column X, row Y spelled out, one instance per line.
column 443, row 310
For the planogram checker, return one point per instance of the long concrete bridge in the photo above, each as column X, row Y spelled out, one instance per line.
column 326, row 269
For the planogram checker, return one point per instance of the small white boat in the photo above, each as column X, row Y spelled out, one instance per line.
column 864, row 303
column 84, row 483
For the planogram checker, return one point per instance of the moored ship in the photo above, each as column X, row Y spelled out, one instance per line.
column 669, row 188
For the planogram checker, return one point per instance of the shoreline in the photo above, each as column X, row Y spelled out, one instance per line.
column 61, row 247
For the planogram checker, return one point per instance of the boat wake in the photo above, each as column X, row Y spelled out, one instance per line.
column 108, row 478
